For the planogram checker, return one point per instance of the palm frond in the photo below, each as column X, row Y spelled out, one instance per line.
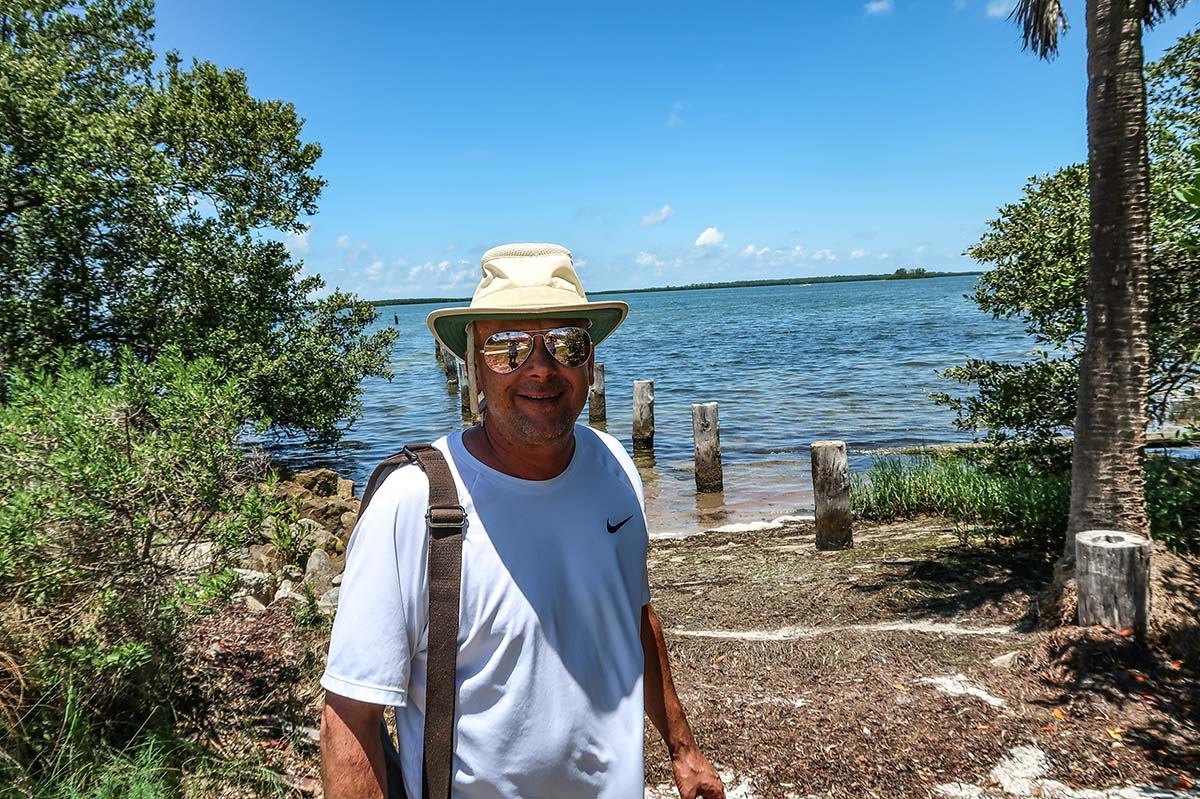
column 1158, row 10
column 1041, row 21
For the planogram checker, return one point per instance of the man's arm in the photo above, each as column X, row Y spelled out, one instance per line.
column 351, row 750
column 694, row 775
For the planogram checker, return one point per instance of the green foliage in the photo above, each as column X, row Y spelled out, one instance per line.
column 1039, row 249
column 121, row 504
column 1019, row 494
column 134, row 204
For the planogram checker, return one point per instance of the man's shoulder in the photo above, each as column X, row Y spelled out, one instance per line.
column 406, row 484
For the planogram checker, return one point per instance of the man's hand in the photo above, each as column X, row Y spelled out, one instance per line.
column 695, row 776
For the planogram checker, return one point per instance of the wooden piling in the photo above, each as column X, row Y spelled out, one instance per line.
column 464, row 389
column 643, row 414
column 831, row 487
column 450, row 364
column 597, row 410
column 437, row 351
column 706, row 433
column 1112, row 570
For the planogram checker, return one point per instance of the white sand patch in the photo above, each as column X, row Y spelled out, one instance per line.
column 797, row 633
column 959, row 685
column 1022, row 772
column 743, row 527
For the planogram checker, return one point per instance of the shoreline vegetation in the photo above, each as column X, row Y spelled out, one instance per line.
column 899, row 274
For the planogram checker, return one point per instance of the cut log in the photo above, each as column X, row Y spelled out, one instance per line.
column 1112, row 570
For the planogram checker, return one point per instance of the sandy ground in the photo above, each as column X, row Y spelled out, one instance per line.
column 909, row 665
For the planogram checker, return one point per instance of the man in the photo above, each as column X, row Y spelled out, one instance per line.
column 559, row 651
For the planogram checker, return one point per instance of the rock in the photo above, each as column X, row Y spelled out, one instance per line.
column 196, row 558
column 345, row 488
column 329, row 601
column 322, row 482
column 319, row 572
column 323, row 539
column 254, row 585
column 254, row 605
column 327, row 511
column 288, row 594
column 347, row 522
column 263, row 558
column 1004, row 661
column 292, row 573
column 337, row 580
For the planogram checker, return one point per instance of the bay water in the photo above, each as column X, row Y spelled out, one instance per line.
column 788, row 365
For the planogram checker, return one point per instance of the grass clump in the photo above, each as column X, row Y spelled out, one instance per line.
column 1023, row 498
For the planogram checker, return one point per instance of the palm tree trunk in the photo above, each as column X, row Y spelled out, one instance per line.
column 1107, row 475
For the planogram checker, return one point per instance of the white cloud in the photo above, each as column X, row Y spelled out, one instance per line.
column 656, row 217
column 674, row 118
column 999, row 8
column 824, row 255
column 648, row 259
column 859, row 254
column 879, row 6
column 343, row 241
column 920, row 249
column 296, row 243
column 709, row 237
column 884, row 256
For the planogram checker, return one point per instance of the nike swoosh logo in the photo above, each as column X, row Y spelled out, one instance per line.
column 612, row 528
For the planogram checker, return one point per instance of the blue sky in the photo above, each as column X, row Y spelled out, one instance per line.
column 663, row 143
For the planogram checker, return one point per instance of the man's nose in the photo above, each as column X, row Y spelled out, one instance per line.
column 540, row 360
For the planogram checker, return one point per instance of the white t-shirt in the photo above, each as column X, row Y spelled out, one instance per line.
column 550, row 662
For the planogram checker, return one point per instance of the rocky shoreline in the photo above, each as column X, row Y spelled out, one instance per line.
column 302, row 558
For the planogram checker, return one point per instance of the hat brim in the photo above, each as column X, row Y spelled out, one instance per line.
column 449, row 325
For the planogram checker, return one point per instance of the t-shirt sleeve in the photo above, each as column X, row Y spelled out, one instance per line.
column 380, row 616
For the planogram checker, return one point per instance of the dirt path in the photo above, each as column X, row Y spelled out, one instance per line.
column 908, row 666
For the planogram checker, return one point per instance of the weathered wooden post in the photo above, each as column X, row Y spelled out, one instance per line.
column 464, row 390
column 643, row 414
column 450, row 364
column 437, row 351
column 831, row 487
column 597, row 410
column 706, row 433
column 1112, row 570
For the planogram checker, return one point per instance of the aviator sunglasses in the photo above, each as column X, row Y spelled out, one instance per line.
column 505, row 351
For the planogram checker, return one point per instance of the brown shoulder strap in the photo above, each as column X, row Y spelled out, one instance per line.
column 445, row 520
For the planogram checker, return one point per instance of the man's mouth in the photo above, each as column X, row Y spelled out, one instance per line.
column 542, row 396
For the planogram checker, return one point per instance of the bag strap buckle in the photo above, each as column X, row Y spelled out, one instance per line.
column 445, row 520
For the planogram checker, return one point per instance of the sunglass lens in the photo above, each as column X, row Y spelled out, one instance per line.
column 505, row 352
column 569, row 345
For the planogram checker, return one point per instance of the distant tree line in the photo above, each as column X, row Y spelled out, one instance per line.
column 899, row 274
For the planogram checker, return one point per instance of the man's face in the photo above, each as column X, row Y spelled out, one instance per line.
column 539, row 402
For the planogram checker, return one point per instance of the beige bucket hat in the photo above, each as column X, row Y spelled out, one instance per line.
column 526, row 281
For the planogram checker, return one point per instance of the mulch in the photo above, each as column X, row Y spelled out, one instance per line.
column 834, row 707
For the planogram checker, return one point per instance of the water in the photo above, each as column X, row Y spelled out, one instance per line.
column 789, row 365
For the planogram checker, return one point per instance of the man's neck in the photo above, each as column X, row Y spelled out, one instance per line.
column 526, row 461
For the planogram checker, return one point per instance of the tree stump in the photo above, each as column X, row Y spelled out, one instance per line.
column 597, row 409
column 1112, row 571
column 643, row 414
column 831, row 488
column 706, row 433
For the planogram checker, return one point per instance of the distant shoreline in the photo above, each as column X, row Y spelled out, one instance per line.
column 734, row 284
